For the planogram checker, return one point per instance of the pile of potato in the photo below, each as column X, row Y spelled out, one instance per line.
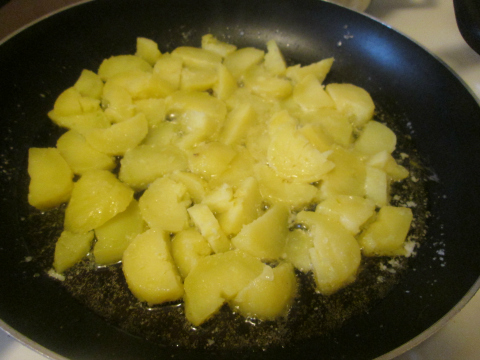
column 244, row 169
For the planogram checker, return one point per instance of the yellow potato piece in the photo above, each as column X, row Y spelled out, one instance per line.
column 119, row 138
column 70, row 249
column 336, row 254
column 277, row 190
column 96, row 198
column 144, row 164
column 239, row 61
column 197, row 57
column 211, row 159
column 333, row 123
column 353, row 101
column 374, row 138
column 164, row 205
column 89, row 84
column 291, row 155
column 82, row 122
column 347, row 177
column 236, row 124
column 320, row 69
column 311, row 95
column 147, row 49
column 169, row 68
column 122, row 63
column 387, row 234
column 80, row 156
column 209, row 227
column 270, row 295
column 350, row 211
column 210, row 43
column 188, row 247
column 297, row 249
column 265, row 237
column 118, row 102
column 149, row 270
column 116, row 234
column 216, row 279
column 274, row 61
column 245, row 207
column 50, row 178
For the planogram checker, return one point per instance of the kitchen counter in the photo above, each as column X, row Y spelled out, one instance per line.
column 431, row 23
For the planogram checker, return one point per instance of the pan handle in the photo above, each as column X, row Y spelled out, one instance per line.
column 467, row 13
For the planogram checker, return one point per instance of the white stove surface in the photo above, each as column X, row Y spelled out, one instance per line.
column 430, row 23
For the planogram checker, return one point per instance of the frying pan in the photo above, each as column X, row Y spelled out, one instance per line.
column 435, row 116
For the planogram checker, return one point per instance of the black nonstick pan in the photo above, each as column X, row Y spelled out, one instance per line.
column 437, row 121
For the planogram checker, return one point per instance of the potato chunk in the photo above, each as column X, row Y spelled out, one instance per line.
column 82, row 122
column 71, row 102
column 96, row 198
column 297, row 249
column 70, row 249
column 149, row 269
column 347, row 177
column 50, row 178
column 209, row 227
column 350, row 211
column 386, row 236
column 245, row 207
column 239, row 61
column 164, row 205
column 277, row 190
column 320, row 69
column 291, row 155
column 216, row 279
column 89, row 84
column 274, row 61
column 352, row 100
column 116, row 234
column 270, row 295
column 211, row 158
column 311, row 95
column 210, row 43
column 197, row 57
column 119, row 138
column 80, row 156
column 237, row 123
column 336, row 253
column 144, row 164
column 122, row 63
column 188, row 247
column 265, row 237
column 147, row 49
column 374, row 138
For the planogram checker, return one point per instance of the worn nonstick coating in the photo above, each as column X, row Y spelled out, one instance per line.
column 426, row 99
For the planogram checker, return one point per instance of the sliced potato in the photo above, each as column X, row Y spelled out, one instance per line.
column 116, row 234
column 164, row 205
column 80, row 156
column 387, row 234
column 149, row 270
column 215, row 279
column 270, row 295
column 96, row 198
column 70, row 249
column 50, row 178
